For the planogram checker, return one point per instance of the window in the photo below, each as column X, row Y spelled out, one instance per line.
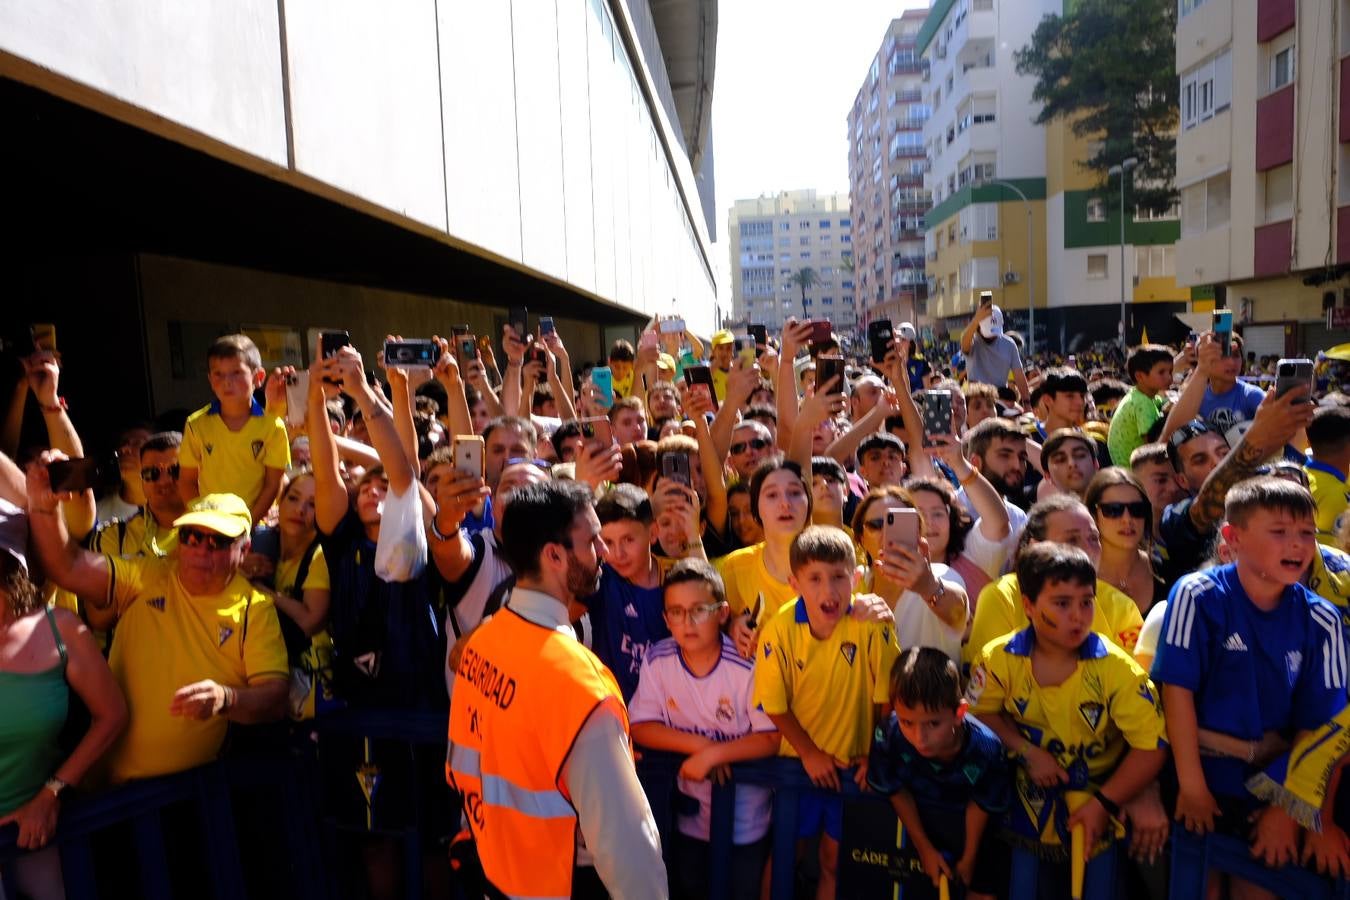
column 1206, row 90
column 1186, row 7
column 804, row 242
column 1096, row 266
column 1277, row 188
column 827, row 301
column 1096, row 209
column 784, row 226
column 1281, row 68
column 845, row 223
column 1204, row 206
column 824, row 223
column 806, row 254
column 803, row 225
column 1155, row 262
column 1172, row 213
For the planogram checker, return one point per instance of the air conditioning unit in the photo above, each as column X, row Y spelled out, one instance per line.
column 1011, row 278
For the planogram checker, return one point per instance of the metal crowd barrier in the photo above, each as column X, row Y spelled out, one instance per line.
column 208, row 791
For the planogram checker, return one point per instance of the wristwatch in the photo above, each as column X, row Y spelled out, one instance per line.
column 56, row 786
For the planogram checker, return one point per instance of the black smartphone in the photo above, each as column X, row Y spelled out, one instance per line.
column 1294, row 375
column 828, row 367
column 466, row 350
column 880, row 334
column 535, row 354
column 73, row 475
column 518, row 317
column 675, row 466
column 410, row 354
column 330, row 342
column 699, row 378
column 457, row 330
column 937, row 414
column 760, row 334
column 546, row 325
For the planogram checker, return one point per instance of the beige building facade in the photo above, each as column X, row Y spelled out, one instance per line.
column 1263, row 165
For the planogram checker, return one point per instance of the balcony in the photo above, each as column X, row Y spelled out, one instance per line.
column 907, row 152
column 1275, row 129
column 1343, row 235
column 976, row 26
column 1345, row 100
column 1274, row 243
column 1273, row 18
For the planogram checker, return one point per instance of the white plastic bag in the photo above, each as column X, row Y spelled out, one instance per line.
column 401, row 551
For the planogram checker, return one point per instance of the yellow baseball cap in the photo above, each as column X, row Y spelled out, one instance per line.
column 224, row 514
column 723, row 337
column 666, row 361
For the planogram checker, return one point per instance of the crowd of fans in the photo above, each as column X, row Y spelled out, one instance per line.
column 1017, row 599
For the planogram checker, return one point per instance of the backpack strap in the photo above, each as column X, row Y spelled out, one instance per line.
column 302, row 572
column 498, row 595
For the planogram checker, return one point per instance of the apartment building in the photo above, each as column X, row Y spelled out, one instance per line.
column 886, row 175
column 1263, row 163
column 985, row 160
column 775, row 238
column 1014, row 211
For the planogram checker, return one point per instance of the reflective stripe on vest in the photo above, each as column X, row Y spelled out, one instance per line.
column 498, row 791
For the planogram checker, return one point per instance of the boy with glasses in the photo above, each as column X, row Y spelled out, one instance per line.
column 694, row 697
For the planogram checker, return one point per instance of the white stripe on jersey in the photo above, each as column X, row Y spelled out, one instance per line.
column 1182, row 609
column 1333, row 648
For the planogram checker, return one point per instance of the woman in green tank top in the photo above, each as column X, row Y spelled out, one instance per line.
column 44, row 654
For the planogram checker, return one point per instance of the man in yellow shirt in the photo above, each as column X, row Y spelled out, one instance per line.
column 723, row 346
column 1329, row 439
column 232, row 446
column 197, row 646
column 1060, row 519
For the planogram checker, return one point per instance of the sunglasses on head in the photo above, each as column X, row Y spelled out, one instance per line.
column 1138, row 509
column 753, row 443
column 212, row 541
column 152, row 473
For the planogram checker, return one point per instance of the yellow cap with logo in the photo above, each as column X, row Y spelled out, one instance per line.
column 224, row 514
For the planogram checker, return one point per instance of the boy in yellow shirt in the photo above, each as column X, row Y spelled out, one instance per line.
column 1077, row 711
column 822, row 677
column 231, row 446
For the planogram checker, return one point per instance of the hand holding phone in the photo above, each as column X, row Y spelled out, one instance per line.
column 937, row 415
column 699, row 379
column 468, row 455
column 603, row 379
column 72, row 476
column 902, row 527
column 297, row 398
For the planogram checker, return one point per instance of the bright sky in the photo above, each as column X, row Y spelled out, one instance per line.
column 787, row 73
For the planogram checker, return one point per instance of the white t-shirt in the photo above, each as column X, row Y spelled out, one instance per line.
column 1017, row 520
column 1147, row 643
column 717, row 706
column 988, row 555
column 112, row 506
column 918, row 626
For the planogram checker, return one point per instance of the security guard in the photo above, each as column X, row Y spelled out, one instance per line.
column 539, row 744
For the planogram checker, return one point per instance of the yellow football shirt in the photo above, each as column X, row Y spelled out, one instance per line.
column 168, row 639
column 830, row 685
column 745, row 578
column 1087, row 722
column 1331, row 490
column 312, row 676
column 999, row 611
column 233, row 462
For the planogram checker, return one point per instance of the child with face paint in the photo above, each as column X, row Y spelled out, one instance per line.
column 1081, row 716
column 928, row 756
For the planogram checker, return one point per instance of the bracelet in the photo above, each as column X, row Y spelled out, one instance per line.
column 59, row 406
column 1112, row 807
column 436, row 532
column 1251, row 752
column 974, row 473
column 229, row 699
column 938, row 594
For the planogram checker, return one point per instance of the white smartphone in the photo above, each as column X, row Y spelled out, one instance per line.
column 297, row 398
column 468, row 455
column 902, row 527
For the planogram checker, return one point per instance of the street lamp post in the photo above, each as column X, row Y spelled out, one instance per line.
column 1122, row 170
column 1031, row 275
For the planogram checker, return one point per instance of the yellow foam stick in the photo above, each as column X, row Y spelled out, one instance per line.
column 944, row 891
column 1076, row 862
column 1077, row 848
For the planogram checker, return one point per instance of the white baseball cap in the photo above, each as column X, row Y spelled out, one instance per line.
column 906, row 331
column 993, row 326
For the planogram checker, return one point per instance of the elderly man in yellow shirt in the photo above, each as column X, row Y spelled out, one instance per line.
column 197, row 645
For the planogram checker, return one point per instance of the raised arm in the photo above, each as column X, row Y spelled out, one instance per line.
column 12, row 486
column 346, row 365
column 968, row 334
column 741, row 383
column 400, row 397
column 330, row 493
column 795, row 335
column 44, row 375
column 1187, row 407
column 560, row 377
column 1277, row 420
column 514, row 348
column 458, row 418
column 715, row 503
column 993, row 515
column 71, row 567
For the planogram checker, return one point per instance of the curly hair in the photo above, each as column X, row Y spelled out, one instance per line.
column 21, row 595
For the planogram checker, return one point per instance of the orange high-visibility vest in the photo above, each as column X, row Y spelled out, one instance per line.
column 522, row 694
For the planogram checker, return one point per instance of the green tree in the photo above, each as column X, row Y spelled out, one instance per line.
column 804, row 278
column 1109, row 69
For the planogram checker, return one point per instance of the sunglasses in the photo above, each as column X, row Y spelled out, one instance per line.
column 874, row 524
column 152, row 473
column 696, row 615
column 212, row 541
column 753, row 444
column 1139, row 509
